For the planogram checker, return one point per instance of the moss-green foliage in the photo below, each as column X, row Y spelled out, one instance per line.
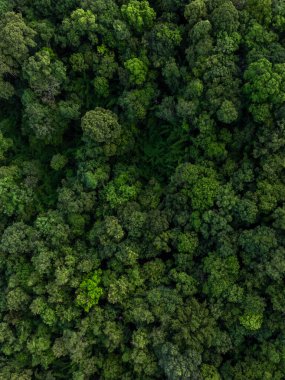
column 142, row 189
column 89, row 292
column 137, row 69
column 139, row 14
column 58, row 161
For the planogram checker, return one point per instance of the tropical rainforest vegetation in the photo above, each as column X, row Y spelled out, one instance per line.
column 142, row 189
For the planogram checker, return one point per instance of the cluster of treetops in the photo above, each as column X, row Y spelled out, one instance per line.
column 142, row 189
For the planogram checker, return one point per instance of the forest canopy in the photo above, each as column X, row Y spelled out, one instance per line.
column 142, row 189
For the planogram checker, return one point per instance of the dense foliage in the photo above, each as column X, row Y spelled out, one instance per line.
column 142, row 189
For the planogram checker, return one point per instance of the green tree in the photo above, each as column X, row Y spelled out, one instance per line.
column 45, row 74
column 137, row 70
column 227, row 113
column 81, row 23
column 225, row 18
column 89, row 292
column 14, row 32
column 101, row 126
column 195, row 11
column 264, row 87
column 197, row 183
column 139, row 14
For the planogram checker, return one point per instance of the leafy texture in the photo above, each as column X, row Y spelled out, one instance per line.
column 142, row 189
